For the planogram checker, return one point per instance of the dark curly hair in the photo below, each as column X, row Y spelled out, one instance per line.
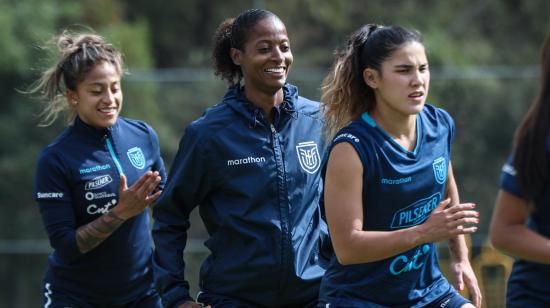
column 233, row 33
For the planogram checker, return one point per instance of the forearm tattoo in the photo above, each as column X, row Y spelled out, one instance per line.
column 92, row 234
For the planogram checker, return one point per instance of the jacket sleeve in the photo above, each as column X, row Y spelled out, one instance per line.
column 53, row 194
column 159, row 162
column 187, row 186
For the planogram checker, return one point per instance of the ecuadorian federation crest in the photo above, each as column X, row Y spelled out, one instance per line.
column 440, row 170
column 136, row 157
column 308, row 156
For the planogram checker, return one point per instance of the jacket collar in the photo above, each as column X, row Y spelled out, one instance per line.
column 93, row 133
column 236, row 99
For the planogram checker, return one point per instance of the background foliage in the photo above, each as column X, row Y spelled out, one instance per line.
column 483, row 56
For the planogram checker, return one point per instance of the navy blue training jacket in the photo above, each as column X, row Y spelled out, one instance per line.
column 257, row 186
column 77, row 180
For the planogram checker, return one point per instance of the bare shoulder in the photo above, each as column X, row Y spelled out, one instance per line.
column 344, row 157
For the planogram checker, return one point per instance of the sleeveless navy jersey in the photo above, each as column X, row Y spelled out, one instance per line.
column 400, row 190
column 77, row 181
column 529, row 282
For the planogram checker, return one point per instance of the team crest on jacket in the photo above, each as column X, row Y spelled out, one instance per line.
column 308, row 156
column 136, row 157
column 440, row 170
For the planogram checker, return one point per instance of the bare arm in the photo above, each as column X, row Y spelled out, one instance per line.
column 132, row 201
column 457, row 244
column 344, row 210
column 509, row 233
column 460, row 263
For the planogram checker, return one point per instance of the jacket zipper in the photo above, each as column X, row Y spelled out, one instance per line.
column 286, row 251
column 113, row 155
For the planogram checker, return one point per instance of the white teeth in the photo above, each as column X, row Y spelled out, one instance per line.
column 275, row 70
column 107, row 109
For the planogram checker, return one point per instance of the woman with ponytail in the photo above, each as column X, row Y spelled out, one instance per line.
column 97, row 225
column 389, row 192
column 251, row 166
column 521, row 221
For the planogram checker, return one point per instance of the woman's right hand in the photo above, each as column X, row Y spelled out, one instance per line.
column 136, row 198
column 447, row 222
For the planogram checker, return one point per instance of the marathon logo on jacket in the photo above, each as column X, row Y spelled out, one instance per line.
column 98, row 182
column 308, row 156
column 136, row 157
column 415, row 213
column 49, row 195
column 245, row 161
column 94, row 169
column 440, row 170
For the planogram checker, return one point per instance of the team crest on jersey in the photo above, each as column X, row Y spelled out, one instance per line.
column 440, row 170
column 308, row 156
column 136, row 157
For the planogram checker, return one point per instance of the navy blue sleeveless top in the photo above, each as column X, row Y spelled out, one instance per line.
column 400, row 190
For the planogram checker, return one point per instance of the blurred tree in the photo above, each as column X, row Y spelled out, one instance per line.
column 182, row 29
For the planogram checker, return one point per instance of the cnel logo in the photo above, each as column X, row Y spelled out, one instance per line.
column 98, row 182
column 94, row 209
column 415, row 213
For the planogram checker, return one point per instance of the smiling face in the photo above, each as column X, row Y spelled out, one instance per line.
column 98, row 98
column 403, row 82
column 266, row 58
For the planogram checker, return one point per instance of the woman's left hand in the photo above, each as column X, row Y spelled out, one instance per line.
column 134, row 199
column 464, row 276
